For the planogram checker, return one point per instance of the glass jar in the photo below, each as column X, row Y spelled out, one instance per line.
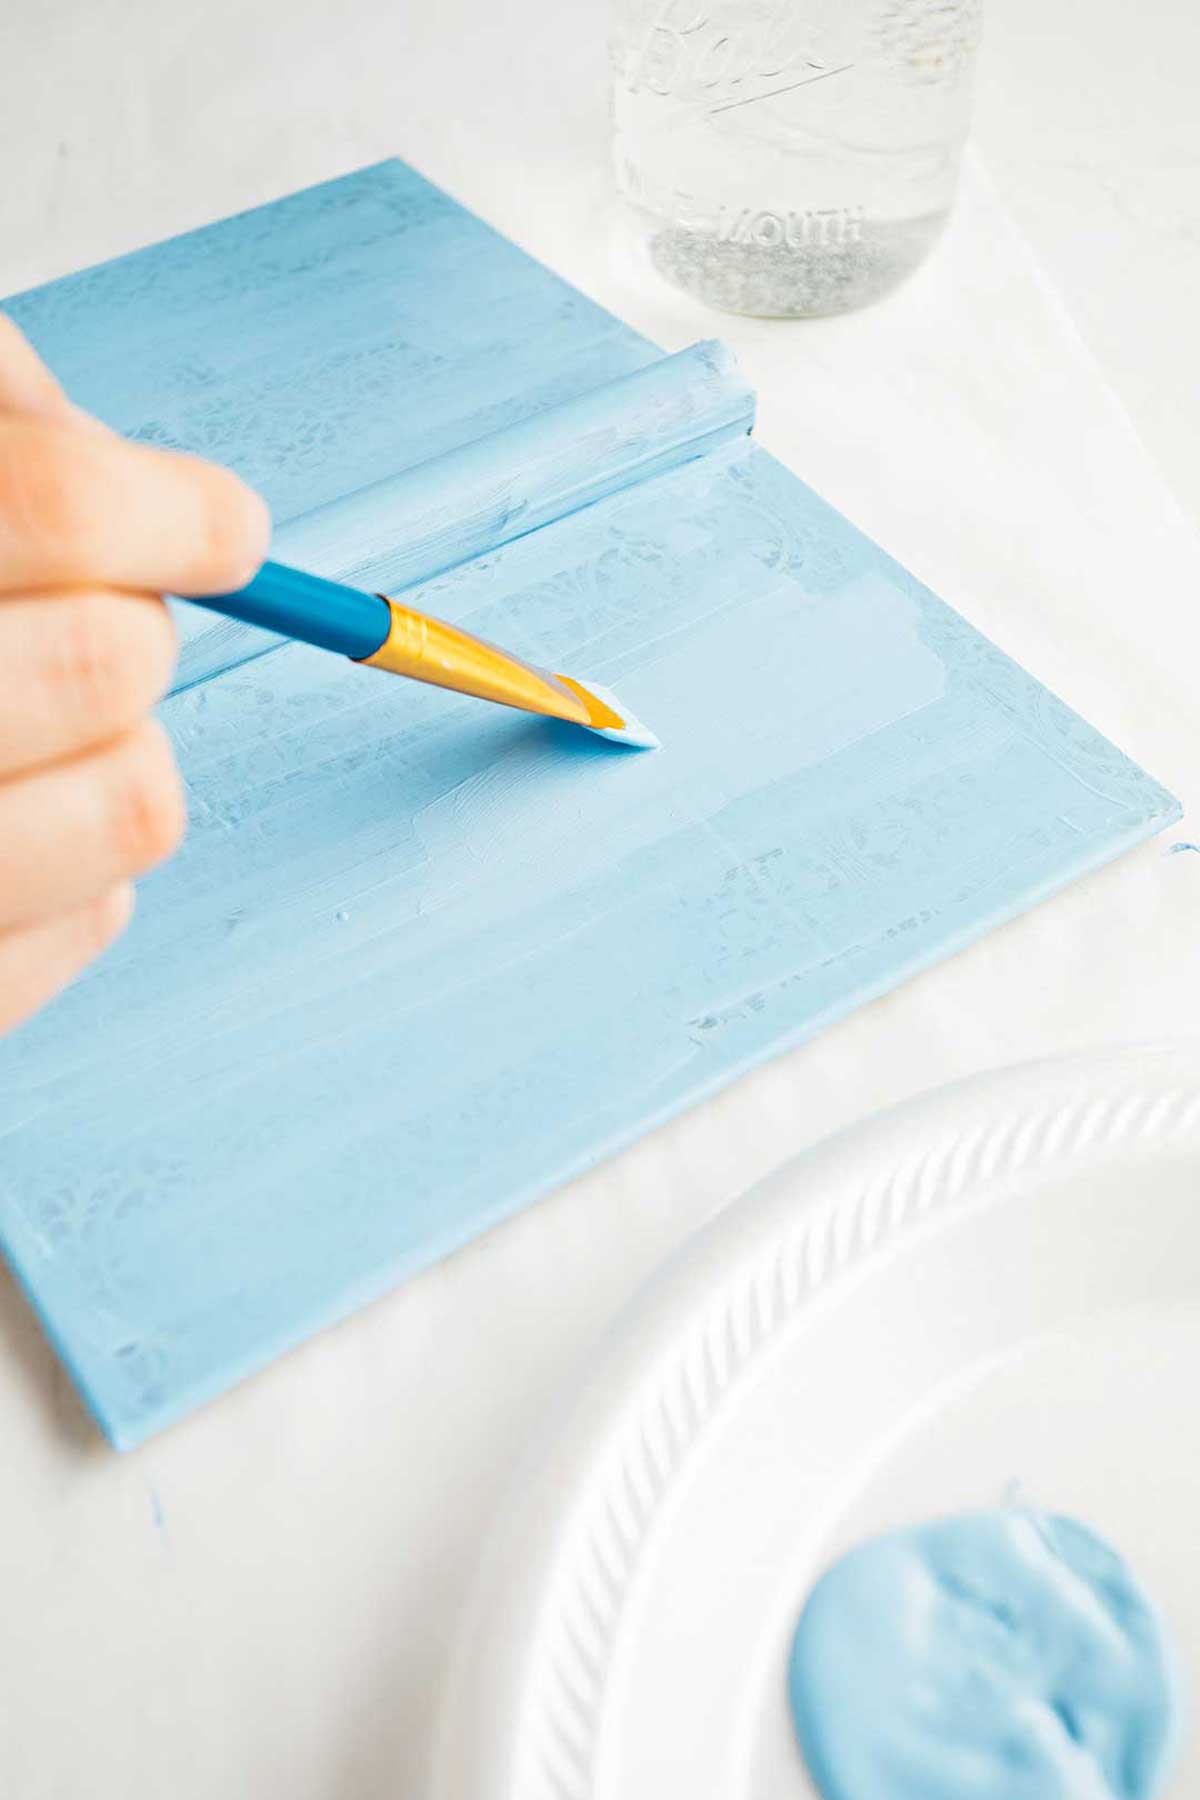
column 790, row 157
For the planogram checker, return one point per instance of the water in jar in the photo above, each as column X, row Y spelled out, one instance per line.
column 790, row 157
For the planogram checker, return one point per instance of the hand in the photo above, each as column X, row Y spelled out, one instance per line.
column 92, row 531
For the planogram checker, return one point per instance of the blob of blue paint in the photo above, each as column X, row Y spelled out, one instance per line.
column 1000, row 1655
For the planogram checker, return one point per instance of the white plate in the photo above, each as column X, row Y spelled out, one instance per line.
column 993, row 1289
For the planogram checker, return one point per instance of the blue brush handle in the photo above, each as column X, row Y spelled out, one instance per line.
column 307, row 607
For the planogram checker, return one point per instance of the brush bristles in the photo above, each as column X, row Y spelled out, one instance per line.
column 630, row 731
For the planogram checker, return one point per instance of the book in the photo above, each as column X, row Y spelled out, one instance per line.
column 421, row 960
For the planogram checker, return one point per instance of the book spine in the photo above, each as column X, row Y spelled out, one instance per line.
column 414, row 525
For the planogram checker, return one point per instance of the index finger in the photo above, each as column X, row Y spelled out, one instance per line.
column 88, row 508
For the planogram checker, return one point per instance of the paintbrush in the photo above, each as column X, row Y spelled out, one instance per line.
column 382, row 634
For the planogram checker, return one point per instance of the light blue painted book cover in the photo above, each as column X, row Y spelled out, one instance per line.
column 421, row 959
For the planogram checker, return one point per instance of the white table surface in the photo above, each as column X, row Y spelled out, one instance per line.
column 261, row 1602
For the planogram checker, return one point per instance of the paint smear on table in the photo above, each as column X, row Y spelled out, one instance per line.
column 420, row 959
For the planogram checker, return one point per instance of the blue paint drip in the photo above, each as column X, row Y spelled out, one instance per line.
column 997, row 1656
column 156, row 1510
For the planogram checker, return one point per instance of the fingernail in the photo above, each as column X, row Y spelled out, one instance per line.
column 257, row 518
column 116, row 910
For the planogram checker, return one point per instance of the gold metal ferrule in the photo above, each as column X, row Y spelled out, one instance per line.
column 429, row 650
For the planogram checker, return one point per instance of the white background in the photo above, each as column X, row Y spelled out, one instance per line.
column 122, row 121
column 260, row 1603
